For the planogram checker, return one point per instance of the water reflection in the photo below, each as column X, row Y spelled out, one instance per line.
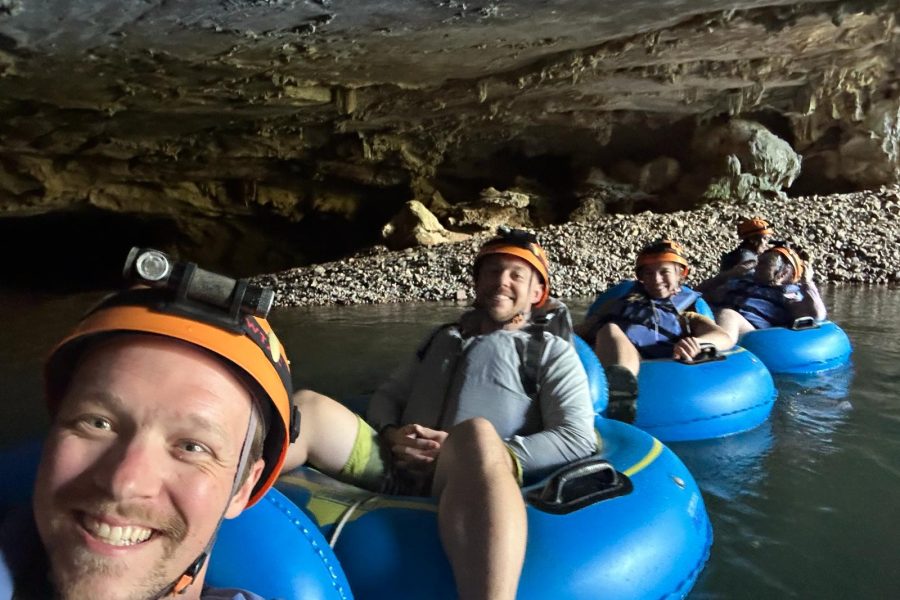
column 814, row 406
column 730, row 466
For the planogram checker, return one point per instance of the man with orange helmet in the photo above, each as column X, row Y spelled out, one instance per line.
column 171, row 411
column 462, row 420
column 780, row 290
column 656, row 318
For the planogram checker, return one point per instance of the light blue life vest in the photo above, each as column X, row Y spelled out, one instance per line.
column 763, row 306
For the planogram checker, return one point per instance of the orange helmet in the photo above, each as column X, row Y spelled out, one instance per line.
column 755, row 226
column 521, row 244
column 245, row 341
column 662, row 251
column 793, row 259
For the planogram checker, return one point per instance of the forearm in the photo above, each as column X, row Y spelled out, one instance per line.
column 811, row 305
column 709, row 332
column 718, row 338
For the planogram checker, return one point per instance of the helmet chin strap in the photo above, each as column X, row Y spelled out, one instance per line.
column 187, row 578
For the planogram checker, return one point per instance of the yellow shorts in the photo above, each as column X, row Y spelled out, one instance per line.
column 369, row 467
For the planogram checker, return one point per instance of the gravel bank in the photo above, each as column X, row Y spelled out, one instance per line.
column 852, row 238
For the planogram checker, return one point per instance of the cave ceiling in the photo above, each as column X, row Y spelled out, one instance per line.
column 288, row 108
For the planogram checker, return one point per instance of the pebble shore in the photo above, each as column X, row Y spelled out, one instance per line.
column 851, row 238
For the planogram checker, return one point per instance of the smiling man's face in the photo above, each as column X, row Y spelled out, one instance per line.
column 139, row 466
column 507, row 286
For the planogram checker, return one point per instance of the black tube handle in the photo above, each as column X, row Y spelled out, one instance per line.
column 804, row 323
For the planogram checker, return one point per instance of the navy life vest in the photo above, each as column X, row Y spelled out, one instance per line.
column 763, row 306
column 653, row 325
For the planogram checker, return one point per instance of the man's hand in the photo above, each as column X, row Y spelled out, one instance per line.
column 415, row 447
column 686, row 349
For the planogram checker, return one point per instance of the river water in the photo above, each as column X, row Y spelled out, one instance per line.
column 805, row 506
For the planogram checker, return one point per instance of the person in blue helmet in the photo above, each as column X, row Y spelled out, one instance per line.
column 657, row 318
column 169, row 414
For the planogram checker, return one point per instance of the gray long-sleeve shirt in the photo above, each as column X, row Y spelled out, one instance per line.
column 457, row 378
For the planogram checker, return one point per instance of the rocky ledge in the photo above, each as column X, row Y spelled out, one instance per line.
column 851, row 238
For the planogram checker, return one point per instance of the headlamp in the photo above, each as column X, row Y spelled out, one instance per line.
column 153, row 268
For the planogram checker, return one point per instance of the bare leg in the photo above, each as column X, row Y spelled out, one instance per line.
column 613, row 347
column 327, row 432
column 481, row 513
column 733, row 323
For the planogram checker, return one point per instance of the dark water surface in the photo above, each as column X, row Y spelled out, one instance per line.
column 805, row 506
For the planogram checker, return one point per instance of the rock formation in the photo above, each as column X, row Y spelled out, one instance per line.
column 257, row 134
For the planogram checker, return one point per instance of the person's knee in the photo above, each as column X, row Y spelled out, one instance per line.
column 610, row 331
column 475, row 445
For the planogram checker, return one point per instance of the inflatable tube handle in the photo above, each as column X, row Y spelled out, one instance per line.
column 578, row 484
column 708, row 353
column 804, row 323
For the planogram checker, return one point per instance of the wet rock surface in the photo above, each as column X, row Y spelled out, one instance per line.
column 851, row 238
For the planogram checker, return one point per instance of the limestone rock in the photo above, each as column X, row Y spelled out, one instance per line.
column 651, row 177
column 589, row 209
column 871, row 155
column 506, row 198
column 492, row 209
column 309, row 118
column 415, row 225
column 282, row 201
column 599, row 193
column 745, row 160
column 343, row 203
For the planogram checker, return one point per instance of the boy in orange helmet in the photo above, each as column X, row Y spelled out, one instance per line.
column 657, row 318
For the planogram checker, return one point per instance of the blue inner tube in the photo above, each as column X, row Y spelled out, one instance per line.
column 650, row 541
column 685, row 401
column 811, row 350
column 272, row 549
column 597, row 385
